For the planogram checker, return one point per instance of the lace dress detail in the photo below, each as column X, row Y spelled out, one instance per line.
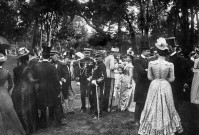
column 159, row 116
column 195, row 83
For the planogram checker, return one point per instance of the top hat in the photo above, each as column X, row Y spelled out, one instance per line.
column 46, row 52
column 144, row 45
column 171, row 41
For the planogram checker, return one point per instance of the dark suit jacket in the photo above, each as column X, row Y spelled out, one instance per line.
column 64, row 72
column 142, row 82
column 49, row 86
column 180, row 76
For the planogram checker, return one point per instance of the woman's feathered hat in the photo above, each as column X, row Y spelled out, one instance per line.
column 162, row 44
column 22, row 52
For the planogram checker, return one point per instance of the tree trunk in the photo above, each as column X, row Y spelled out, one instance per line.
column 197, row 18
column 36, row 28
column 132, row 34
column 185, row 26
column 192, row 30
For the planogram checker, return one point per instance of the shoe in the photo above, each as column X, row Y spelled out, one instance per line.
column 60, row 124
column 95, row 118
column 71, row 113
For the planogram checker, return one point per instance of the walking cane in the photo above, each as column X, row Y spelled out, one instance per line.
column 112, row 97
column 97, row 96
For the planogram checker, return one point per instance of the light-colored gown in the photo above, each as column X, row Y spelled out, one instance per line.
column 159, row 116
column 127, row 94
column 195, row 83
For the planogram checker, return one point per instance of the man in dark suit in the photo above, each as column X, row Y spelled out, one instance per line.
column 64, row 77
column 142, row 82
column 179, row 72
column 48, row 94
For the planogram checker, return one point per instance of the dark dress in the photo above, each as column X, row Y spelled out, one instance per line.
column 24, row 98
column 9, row 121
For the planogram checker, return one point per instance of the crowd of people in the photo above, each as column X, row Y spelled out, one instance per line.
column 152, row 85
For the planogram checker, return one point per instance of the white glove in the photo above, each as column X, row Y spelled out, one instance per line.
column 94, row 82
column 78, row 83
column 63, row 80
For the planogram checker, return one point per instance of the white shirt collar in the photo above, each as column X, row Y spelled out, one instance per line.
column 143, row 56
column 1, row 67
column 173, row 54
column 46, row 60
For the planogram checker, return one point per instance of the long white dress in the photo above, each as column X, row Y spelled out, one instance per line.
column 127, row 94
column 195, row 83
column 159, row 116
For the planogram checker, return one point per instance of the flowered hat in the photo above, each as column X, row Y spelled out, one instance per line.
column 162, row 44
column 22, row 52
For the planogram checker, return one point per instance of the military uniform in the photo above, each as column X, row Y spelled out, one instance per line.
column 98, row 78
column 85, row 71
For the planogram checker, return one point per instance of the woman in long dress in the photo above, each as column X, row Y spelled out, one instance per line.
column 24, row 95
column 195, row 82
column 159, row 116
column 9, row 121
column 127, row 87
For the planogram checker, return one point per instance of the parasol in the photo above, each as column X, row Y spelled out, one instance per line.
column 4, row 44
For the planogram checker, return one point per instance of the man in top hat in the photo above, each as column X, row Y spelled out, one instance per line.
column 142, row 82
column 97, row 79
column 179, row 66
column 49, row 89
column 110, row 80
column 63, row 72
column 86, row 65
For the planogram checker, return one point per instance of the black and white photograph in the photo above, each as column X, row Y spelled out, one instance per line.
column 99, row 67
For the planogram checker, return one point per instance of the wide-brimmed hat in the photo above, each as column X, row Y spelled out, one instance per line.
column 162, row 44
column 79, row 54
column 22, row 52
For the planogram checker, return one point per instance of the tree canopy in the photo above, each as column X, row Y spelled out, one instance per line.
column 114, row 22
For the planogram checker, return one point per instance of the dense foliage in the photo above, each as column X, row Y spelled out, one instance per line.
column 114, row 22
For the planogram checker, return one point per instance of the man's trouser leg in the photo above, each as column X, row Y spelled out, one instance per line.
column 106, row 94
column 83, row 88
column 138, row 110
